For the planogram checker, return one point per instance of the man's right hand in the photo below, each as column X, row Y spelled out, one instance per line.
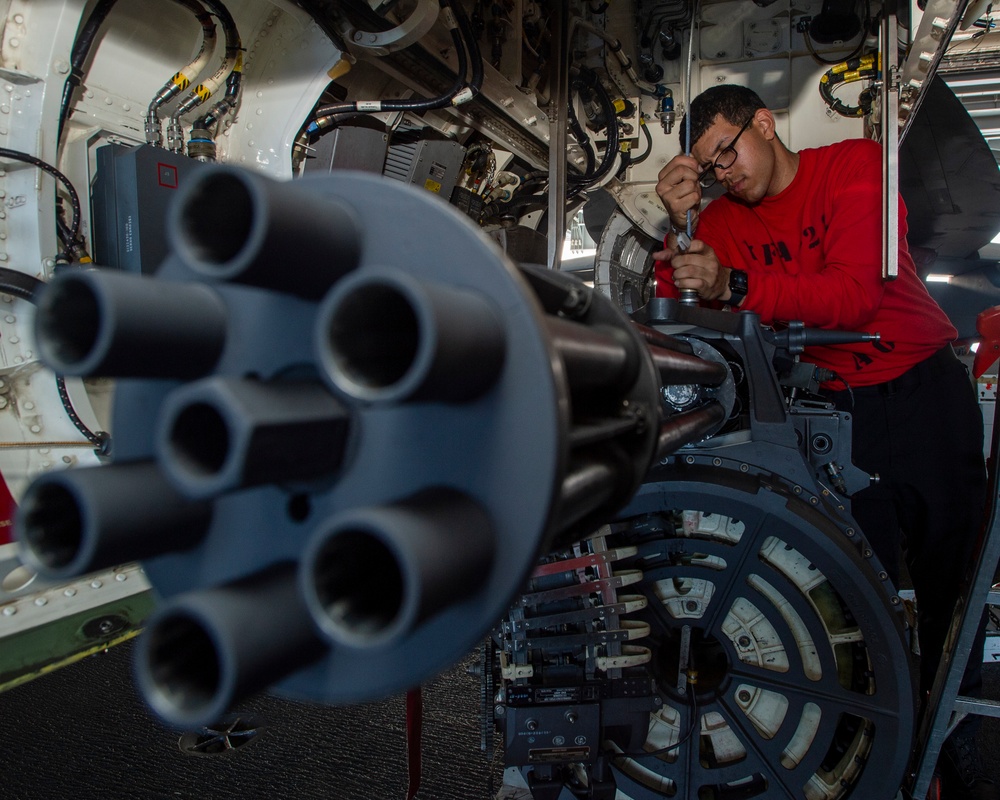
column 678, row 189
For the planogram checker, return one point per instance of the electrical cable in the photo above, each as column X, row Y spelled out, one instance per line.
column 459, row 92
column 679, row 743
column 26, row 287
column 616, row 48
column 854, row 54
column 68, row 233
column 81, row 49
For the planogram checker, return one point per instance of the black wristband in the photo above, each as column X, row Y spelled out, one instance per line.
column 738, row 286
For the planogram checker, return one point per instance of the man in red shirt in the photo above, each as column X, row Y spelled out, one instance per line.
column 798, row 236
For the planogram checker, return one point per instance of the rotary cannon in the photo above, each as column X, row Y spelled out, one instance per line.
column 347, row 428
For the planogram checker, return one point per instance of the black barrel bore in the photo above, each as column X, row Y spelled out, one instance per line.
column 51, row 526
column 384, row 337
column 372, row 576
column 81, row 520
column 218, row 218
column 183, row 664
column 69, row 322
column 113, row 324
column 208, row 649
column 375, row 336
column 359, row 584
column 231, row 224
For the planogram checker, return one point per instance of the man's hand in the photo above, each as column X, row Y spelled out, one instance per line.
column 697, row 268
column 678, row 189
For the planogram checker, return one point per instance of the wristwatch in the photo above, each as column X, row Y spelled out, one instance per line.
column 738, row 286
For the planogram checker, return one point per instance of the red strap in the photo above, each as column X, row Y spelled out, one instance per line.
column 414, row 728
column 7, row 510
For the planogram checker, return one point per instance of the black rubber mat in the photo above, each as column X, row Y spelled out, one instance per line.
column 83, row 733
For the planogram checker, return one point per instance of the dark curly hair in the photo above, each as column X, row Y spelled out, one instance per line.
column 734, row 103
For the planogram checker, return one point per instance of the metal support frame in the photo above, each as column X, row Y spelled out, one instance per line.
column 946, row 708
column 558, row 130
column 890, row 150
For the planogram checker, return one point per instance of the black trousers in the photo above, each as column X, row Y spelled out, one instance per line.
column 922, row 433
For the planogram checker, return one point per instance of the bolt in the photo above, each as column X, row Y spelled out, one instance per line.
column 743, row 641
column 744, row 696
column 691, row 605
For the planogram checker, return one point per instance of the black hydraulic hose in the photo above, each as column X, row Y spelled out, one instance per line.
column 234, row 47
column 72, row 231
column 19, row 284
column 81, row 49
column 581, row 134
column 582, row 183
column 472, row 42
column 204, row 90
column 228, row 101
column 649, row 141
column 459, row 92
column 182, row 79
column 26, row 287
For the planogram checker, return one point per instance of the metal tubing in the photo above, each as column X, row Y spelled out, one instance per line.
column 204, row 651
column 371, row 576
column 384, row 337
column 678, row 369
column 595, row 356
column 233, row 225
column 653, row 336
column 588, row 485
column 687, row 427
column 221, row 434
column 77, row 521
column 111, row 324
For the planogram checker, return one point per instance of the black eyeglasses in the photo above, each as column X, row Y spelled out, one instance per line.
column 727, row 157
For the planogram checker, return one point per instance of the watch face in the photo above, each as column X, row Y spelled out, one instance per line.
column 738, row 286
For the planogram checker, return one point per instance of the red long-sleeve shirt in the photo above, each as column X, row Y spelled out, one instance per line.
column 814, row 254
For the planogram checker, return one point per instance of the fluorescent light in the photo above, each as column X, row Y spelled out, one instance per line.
column 933, row 278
